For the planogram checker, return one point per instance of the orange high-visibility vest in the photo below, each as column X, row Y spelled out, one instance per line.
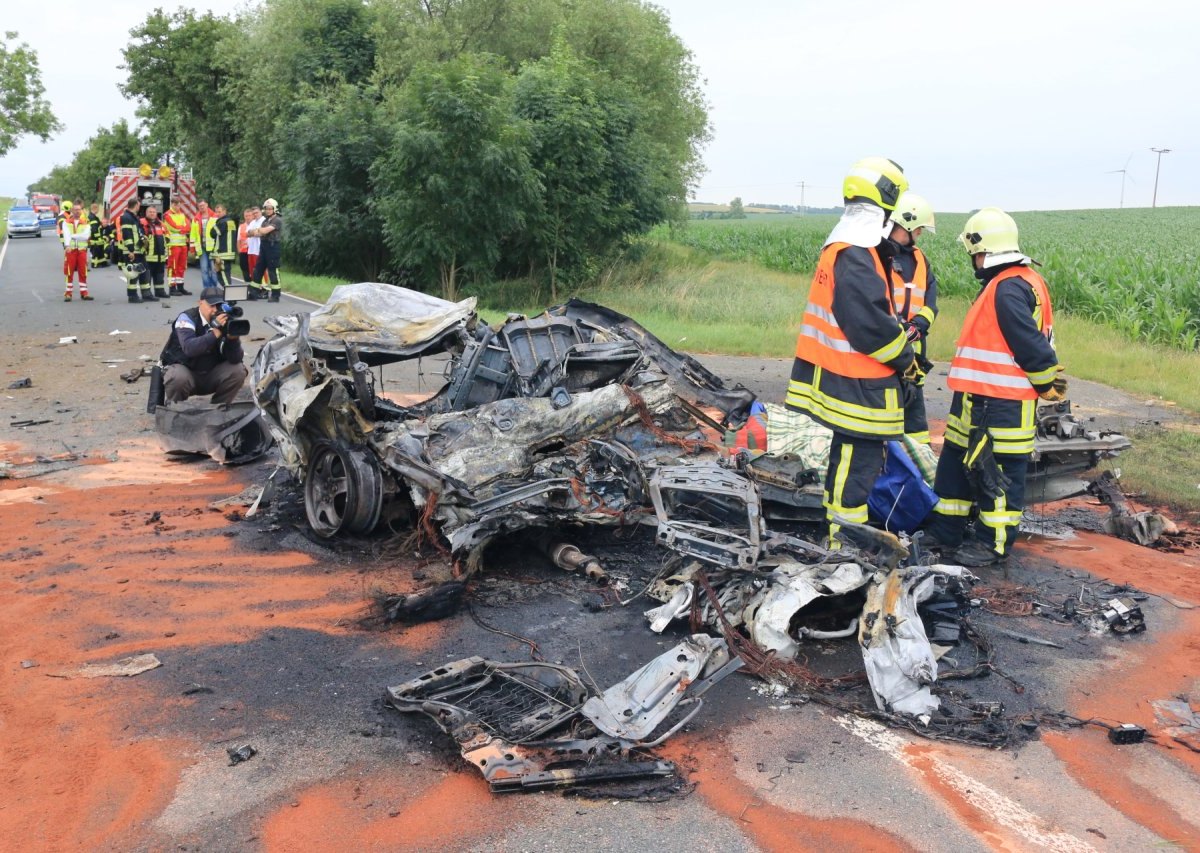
column 821, row 340
column 910, row 294
column 177, row 226
column 983, row 361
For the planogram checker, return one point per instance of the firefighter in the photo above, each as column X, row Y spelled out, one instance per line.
column 178, row 229
column 156, row 251
column 225, row 244
column 1003, row 362
column 129, row 239
column 852, row 355
column 63, row 212
column 75, row 233
column 270, row 232
column 914, row 297
column 97, row 242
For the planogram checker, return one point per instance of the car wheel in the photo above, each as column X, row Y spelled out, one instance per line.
column 343, row 490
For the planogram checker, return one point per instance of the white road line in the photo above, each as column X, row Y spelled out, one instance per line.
column 289, row 295
column 4, row 250
column 990, row 802
column 35, row 295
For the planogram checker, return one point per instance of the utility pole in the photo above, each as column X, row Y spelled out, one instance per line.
column 803, row 208
column 1159, row 152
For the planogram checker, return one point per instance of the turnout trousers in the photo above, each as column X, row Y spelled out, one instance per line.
column 854, row 466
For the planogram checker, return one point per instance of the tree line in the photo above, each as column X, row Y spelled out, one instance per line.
column 425, row 141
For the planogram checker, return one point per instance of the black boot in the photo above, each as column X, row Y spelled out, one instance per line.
column 134, row 297
column 182, row 291
column 149, row 297
column 161, row 293
column 252, row 294
column 274, row 297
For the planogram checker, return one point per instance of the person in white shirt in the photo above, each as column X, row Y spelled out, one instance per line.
column 253, row 247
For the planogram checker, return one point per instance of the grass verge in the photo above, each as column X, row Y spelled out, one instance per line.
column 1163, row 466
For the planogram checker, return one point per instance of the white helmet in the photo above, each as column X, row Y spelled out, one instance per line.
column 913, row 212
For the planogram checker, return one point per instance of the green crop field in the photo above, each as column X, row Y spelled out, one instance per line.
column 1136, row 271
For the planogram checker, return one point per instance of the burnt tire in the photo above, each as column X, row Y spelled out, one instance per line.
column 343, row 490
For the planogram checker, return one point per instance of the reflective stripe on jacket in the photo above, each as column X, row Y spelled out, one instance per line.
column 177, row 228
column 203, row 228
column 75, row 233
column 908, row 297
column 156, row 240
column 983, row 360
column 822, row 340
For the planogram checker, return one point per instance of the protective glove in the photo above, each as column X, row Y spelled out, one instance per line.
column 913, row 374
column 913, row 332
column 1056, row 391
column 985, row 475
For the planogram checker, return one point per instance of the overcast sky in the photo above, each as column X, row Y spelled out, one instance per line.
column 1023, row 105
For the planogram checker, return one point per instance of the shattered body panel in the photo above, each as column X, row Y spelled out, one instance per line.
column 529, row 726
column 231, row 433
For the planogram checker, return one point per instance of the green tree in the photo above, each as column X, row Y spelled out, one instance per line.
column 328, row 150
column 180, row 67
column 736, row 209
column 23, row 110
column 111, row 146
column 455, row 180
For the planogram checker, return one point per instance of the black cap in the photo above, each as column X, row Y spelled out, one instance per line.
column 213, row 295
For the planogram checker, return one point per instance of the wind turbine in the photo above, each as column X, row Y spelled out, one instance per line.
column 1122, row 171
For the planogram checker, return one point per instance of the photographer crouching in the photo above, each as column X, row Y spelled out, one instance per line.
column 204, row 353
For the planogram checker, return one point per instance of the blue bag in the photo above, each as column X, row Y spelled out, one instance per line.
column 900, row 500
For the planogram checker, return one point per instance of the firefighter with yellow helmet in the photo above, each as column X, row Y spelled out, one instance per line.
column 1003, row 362
column 914, row 296
column 852, row 355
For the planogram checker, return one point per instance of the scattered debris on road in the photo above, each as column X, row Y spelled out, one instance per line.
column 123, row 668
column 25, row 382
column 1144, row 528
column 241, row 753
column 230, row 433
column 528, row 726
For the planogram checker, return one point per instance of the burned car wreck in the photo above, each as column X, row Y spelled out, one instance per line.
column 580, row 416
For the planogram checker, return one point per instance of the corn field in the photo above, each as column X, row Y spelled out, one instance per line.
column 1136, row 271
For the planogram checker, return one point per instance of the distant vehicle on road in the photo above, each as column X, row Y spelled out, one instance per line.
column 23, row 222
column 43, row 203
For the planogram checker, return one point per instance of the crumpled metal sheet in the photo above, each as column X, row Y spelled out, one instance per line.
column 793, row 586
column 900, row 663
column 385, row 319
column 231, row 433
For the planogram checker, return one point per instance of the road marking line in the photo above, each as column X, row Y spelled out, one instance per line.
column 288, row 295
column 35, row 295
column 4, row 250
column 990, row 802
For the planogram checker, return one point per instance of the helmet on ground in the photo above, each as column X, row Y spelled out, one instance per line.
column 989, row 230
column 877, row 180
column 133, row 272
column 271, row 203
column 913, row 212
column 66, row 205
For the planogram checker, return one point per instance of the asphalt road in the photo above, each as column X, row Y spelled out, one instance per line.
column 262, row 618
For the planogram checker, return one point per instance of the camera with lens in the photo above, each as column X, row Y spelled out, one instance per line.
column 234, row 325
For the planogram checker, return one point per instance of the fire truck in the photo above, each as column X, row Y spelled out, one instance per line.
column 44, row 203
column 151, row 186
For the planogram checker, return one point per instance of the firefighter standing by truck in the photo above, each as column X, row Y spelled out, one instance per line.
column 75, row 233
column 156, row 250
column 178, row 229
column 1003, row 362
column 98, row 241
column 914, row 297
column 852, row 356
column 130, row 242
column 225, row 244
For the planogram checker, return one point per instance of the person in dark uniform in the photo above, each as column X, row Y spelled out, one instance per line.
column 852, row 355
column 914, row 296
column 271, row 234
column 156, row 252
column 131, row 250
column 1003, row 362
column 199, row 358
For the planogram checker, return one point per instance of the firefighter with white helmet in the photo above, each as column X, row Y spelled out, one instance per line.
column 1003, row 363
column 914, row 296
column 852, row 355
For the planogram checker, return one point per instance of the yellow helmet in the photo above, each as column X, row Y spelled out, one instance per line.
column 913, row 212
column 989, row 230
column 876, row 179
column 66, row 205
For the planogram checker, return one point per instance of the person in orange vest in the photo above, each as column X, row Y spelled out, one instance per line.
column 243, row 246
column 914, row 296
column 1003, row 362
column 178, row 228
column 852, row 355
column 75, row 233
